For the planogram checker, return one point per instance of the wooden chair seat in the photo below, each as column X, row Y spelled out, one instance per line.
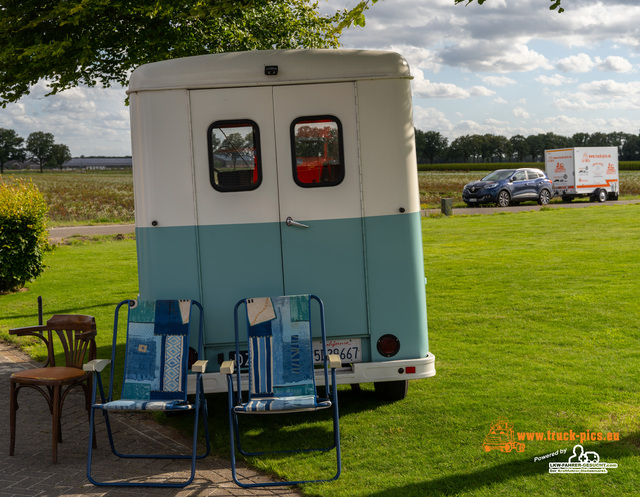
column 61, row 375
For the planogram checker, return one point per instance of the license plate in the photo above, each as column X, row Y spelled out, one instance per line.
column 473, row 200
column 349, row 350
column 242, row 361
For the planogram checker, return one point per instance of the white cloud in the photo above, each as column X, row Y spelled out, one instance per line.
column 493, row 56
column 582, row 63
column 425, row 88
column 612, row 88
column 569, row 125
column 606, row 95
column 576, row 63
column 496, row 123
column 468, row 127
column 431, row 119
column 554, row 80
column 481, row 91
column 521, row 113
column 418, row 58
column 90, row 121
column 498, row 80
column 615, row 63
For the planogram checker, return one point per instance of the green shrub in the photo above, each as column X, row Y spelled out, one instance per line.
column 23, row 234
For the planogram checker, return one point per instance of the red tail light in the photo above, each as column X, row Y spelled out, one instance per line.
column 388, row 345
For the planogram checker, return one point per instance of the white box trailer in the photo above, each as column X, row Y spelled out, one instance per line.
column 283, row 172
column 584, row 172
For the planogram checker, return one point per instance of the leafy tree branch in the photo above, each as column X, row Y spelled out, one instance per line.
column 72, row 42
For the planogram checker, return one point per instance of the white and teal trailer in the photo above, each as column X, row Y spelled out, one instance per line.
column 284, row 172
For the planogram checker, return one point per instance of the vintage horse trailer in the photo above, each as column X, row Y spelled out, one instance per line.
column 284, row 172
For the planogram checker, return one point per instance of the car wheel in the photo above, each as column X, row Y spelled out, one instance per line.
column 602, row 195
column 504, row 199
column 544, row 197
column 391, row 390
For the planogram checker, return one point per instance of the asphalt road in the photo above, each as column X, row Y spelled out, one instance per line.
column 57, row 234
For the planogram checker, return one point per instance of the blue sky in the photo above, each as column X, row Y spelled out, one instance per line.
column 506, row 67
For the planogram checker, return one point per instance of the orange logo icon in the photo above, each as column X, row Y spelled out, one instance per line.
column 611, row 169
column 502, row 437
column 560, row 168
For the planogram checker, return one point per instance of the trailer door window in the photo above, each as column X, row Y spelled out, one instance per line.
column 234, row 155
column 317, row 151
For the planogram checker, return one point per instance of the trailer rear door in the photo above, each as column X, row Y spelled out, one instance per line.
column 277, row 212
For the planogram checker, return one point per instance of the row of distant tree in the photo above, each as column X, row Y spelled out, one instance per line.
column 432, row 147
column 39, row 147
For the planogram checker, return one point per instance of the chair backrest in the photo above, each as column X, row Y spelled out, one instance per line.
column 76, row 333
column 280, row 347
column 157, row 350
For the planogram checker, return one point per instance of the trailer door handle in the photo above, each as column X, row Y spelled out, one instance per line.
column 291, row 222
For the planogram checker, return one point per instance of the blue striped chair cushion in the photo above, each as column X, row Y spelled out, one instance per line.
column 261, row 368
column 282, row 404
column 145, row 405
column 281, row 372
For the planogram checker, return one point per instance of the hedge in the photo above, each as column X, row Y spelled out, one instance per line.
column 23, row 233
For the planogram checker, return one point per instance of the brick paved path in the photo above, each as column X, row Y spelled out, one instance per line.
column 30, row 471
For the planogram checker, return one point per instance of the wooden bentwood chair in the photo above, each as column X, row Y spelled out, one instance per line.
column 77, row 335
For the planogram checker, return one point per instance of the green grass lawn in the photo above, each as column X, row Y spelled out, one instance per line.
column 80, row 279
column 533, row 317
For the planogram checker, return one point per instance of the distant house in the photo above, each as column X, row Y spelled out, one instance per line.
column 21, row 165
column 98, row 163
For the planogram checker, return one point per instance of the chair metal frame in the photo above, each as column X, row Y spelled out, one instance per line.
column 76, row 334
column 235, row 399
column 199, row 404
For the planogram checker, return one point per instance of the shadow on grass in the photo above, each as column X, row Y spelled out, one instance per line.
column 47, row 313
column 456, row 484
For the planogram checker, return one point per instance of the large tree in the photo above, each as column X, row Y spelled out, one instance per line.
column 429, row 145
column 519, row 146
column 72, row 42
column 40, row 145
column 10, row 147
column 59, row 154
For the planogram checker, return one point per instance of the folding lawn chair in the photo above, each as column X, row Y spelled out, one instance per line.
column 155, row 374
column 281, row 373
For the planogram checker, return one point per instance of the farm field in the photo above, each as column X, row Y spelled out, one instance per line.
column 96, row 197
column 533, row 318
column 88, row 197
